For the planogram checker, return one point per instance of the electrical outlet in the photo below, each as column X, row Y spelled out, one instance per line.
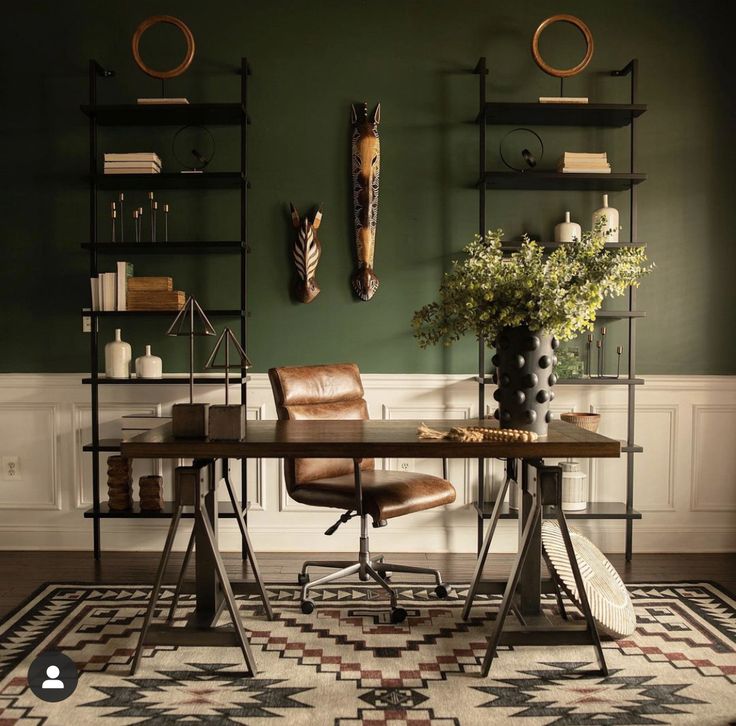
column 405, row 464
column 86, row 324
column 11, row 468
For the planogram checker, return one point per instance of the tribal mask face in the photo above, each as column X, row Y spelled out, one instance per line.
column 366, row 163
column 306, row 252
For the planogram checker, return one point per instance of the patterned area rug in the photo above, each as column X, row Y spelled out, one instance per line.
column 346, row 664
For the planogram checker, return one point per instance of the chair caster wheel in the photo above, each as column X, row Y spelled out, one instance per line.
column 307, row 606
column 302, row 578
column 441, row 591
column 398, row 615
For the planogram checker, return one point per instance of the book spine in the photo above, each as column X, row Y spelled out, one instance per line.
column 94, row 284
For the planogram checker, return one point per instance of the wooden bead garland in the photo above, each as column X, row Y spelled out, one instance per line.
column 477, row 434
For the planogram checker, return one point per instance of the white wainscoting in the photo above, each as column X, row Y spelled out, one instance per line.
column 685, row 479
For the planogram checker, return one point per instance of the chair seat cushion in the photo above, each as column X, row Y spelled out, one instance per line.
column 386, row 494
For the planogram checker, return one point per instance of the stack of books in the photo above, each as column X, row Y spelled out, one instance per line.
column 572, row 162
column 154, row 293
column 109, row 289
column 140, row 162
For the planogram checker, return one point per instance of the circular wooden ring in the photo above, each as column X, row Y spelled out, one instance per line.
column 188, row 37
column 563, row 72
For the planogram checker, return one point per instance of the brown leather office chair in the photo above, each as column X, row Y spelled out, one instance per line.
column 336, row 392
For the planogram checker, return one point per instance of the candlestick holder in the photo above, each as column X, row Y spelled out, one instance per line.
column 121, row 207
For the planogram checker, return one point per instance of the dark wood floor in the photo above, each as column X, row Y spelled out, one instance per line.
column 22, row 572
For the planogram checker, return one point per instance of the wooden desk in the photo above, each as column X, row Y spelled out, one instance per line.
column 541, row 485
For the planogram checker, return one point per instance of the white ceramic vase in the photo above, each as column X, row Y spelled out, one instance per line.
column 148, row 366
column 117, row 357
column 574, row 487
column 567, row 231
column 611, row 225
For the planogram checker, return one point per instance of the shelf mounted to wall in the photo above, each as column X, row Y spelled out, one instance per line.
column 144, row 116
column 605, row 115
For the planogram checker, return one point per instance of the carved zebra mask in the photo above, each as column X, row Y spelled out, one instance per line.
column 366, row 162
column 306, row 252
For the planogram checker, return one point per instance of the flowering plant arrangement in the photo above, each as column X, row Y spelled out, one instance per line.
column 557, row 293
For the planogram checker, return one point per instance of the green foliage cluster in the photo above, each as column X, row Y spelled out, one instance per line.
column 557, row 293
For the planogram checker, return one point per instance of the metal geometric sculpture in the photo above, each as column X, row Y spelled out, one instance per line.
column 185, row 324
column 227, row 336
column 306, row 252
column 366, row 164
column 607, row 595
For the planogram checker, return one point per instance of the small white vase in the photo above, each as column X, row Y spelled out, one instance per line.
column 117, row 357
column 610, row 228
column 148, row 366
column 567, row 231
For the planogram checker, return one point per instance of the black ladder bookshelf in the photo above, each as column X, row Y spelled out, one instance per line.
column 597, row 115
column 134, row 115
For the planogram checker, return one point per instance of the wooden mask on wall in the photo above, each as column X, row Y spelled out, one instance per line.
column 366, row 161
column 306, row 252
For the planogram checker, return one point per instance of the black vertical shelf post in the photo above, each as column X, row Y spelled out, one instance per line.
column 612, row 116
column 482, row 71
column 244, row 250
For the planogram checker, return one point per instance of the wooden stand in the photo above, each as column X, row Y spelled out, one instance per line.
column 534, row 627
column 196, row 486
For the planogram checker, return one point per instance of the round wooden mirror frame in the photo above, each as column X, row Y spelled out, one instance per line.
column 188, row 37
column 563, row 72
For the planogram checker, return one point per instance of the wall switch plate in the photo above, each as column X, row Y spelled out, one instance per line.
column 405, row 464
column 11, row 468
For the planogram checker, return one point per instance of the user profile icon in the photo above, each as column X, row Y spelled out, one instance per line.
column 53, row 676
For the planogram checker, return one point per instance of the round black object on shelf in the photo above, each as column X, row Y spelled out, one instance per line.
column 524, row 393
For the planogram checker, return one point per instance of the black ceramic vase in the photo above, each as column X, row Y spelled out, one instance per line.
column 524, row 376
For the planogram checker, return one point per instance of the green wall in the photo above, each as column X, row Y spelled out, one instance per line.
column 310, row 61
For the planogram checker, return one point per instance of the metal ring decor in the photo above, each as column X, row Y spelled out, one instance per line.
column 188, row 37
column 202, row 161
column 526, row 155
column 563, row 72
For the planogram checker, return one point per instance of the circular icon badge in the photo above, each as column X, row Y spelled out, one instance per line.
column 53, row 676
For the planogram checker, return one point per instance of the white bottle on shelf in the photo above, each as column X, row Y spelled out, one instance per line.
column 567, row 231
column 148, row 365
column 117, row 357
column 611, row 225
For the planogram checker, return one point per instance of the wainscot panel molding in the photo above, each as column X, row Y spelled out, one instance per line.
column 686, row 480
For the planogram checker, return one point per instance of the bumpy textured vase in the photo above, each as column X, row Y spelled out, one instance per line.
column 525, row 363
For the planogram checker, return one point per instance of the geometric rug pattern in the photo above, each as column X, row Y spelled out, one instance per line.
column 346, row 664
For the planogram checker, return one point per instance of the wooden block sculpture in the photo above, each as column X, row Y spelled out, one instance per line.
column 306, row 252
column 151, row 489
column 366, row 161
column 119, row 483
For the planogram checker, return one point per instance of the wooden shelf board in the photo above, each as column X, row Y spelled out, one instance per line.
column 552, row 180
column 594, row 510
column 561, row 114
column 226, row 511
column 170, row 180
column 514, row 246
column 182, row 380
column 163, row 248
column 135, row 114
column 232, row 313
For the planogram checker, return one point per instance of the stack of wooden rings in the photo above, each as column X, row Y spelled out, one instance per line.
column 119, row 483
column 151, row 490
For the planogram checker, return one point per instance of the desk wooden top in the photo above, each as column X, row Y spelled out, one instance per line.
column 363, row 439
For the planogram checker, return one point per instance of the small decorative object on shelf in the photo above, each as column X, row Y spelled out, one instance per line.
column 165, row 74
column 509, row 302
column 588, row 421
column 619, row 351
column 306, row 253
column 574, row 487
column 189, row 420
column 194, row 148
column 136, row 225
column 152, row 218
column 366, row 164
column 567, row 231
column 602, row 352
column 119, row 483
column 227, row 423
column 514, row 149
column 117, row 357
column 608, row 216
column 588, row 348
column 154, row 293
column 114, row 219
column 563, row 73
column 141, row 162
column 148, row 365
column 166, row 222
column 569, row 363
column 576, row 162
column 151, row 490
column 121, row 205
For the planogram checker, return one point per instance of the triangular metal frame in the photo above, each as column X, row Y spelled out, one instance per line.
column 225, row 336
column 186, row 315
